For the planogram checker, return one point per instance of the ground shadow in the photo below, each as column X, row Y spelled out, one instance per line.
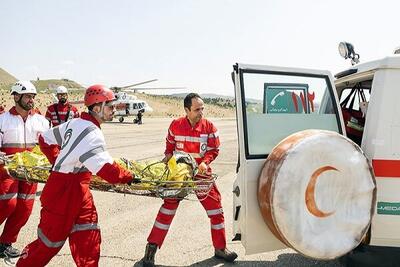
column 285, row 260
column 124, row 122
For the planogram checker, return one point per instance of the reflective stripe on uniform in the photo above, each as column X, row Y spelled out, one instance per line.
column 91, row 153
column 210, row 148
column 18, row 145
column 26, row 196
column 161, row 225
column 217, row 226
column 170, row 132
column 60, row 112
column 167, row 211
column 80, row 137
column 47, row 242
column 183, row 138
column 8, row 196
column 57, row 135
column 171, row 142
column 85, row 227
column 196, row 155
column 213, row 135
column 54, row 118
column 214, row 212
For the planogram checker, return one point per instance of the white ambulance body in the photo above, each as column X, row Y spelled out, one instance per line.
column 274, row 102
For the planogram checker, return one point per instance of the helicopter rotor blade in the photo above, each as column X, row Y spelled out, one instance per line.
column 136, row 84
column 152, row 88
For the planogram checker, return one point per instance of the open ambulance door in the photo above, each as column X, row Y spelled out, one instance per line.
column 271, row 104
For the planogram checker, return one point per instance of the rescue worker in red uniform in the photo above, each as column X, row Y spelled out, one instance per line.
column 77, row 150
column 197, row 136
column 19, row 131
column 62, row 111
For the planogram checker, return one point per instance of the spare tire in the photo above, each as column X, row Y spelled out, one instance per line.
column 317, row 193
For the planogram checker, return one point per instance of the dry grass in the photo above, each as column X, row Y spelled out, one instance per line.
column 165, row 106
column 162, row 106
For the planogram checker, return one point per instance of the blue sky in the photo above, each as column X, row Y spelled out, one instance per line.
column 186, row 43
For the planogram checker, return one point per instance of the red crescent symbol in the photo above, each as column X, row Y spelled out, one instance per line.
column 310, row 193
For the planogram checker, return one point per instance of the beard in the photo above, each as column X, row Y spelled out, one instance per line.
column 63, row 100
column 25, row 106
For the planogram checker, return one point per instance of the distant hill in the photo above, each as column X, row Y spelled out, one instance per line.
column 164, row 106
column 182, row 95
column 172, row 106
column 6, row 79
column 42, row 85
column 217, row 96
column 223, row 101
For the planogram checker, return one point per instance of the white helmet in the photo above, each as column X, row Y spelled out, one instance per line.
column 23, row 87
column 62, row 90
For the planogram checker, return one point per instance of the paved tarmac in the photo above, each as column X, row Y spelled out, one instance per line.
column 126, row 220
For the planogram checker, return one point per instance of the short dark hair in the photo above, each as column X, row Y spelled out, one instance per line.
column 90, row 108
column 187, row 102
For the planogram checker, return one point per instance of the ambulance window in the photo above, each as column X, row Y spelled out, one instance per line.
column 356, row 106
column 354, row 103
column 278, row 104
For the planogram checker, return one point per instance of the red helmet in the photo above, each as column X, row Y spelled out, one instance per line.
column 97, row 94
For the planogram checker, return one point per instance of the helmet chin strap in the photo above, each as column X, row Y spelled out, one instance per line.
column 99, row 114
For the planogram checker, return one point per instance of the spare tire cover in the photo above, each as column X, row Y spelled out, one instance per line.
column 317, row 193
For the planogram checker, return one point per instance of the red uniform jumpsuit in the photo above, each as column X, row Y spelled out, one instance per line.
column 202, row 142
column 60, row 113
column 17, row 197
column 68, row 210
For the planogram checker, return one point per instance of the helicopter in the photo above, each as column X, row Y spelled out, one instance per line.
column 125, row 104
column 129, row 105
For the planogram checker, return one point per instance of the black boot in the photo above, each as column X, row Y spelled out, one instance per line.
column 225, row 254
column 7, row 251
column 148, row 259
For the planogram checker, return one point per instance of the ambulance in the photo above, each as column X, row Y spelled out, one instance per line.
column 319, row 158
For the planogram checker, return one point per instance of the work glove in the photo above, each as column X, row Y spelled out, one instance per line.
column 2, row 156
column 203, row 168
column 136, row 179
